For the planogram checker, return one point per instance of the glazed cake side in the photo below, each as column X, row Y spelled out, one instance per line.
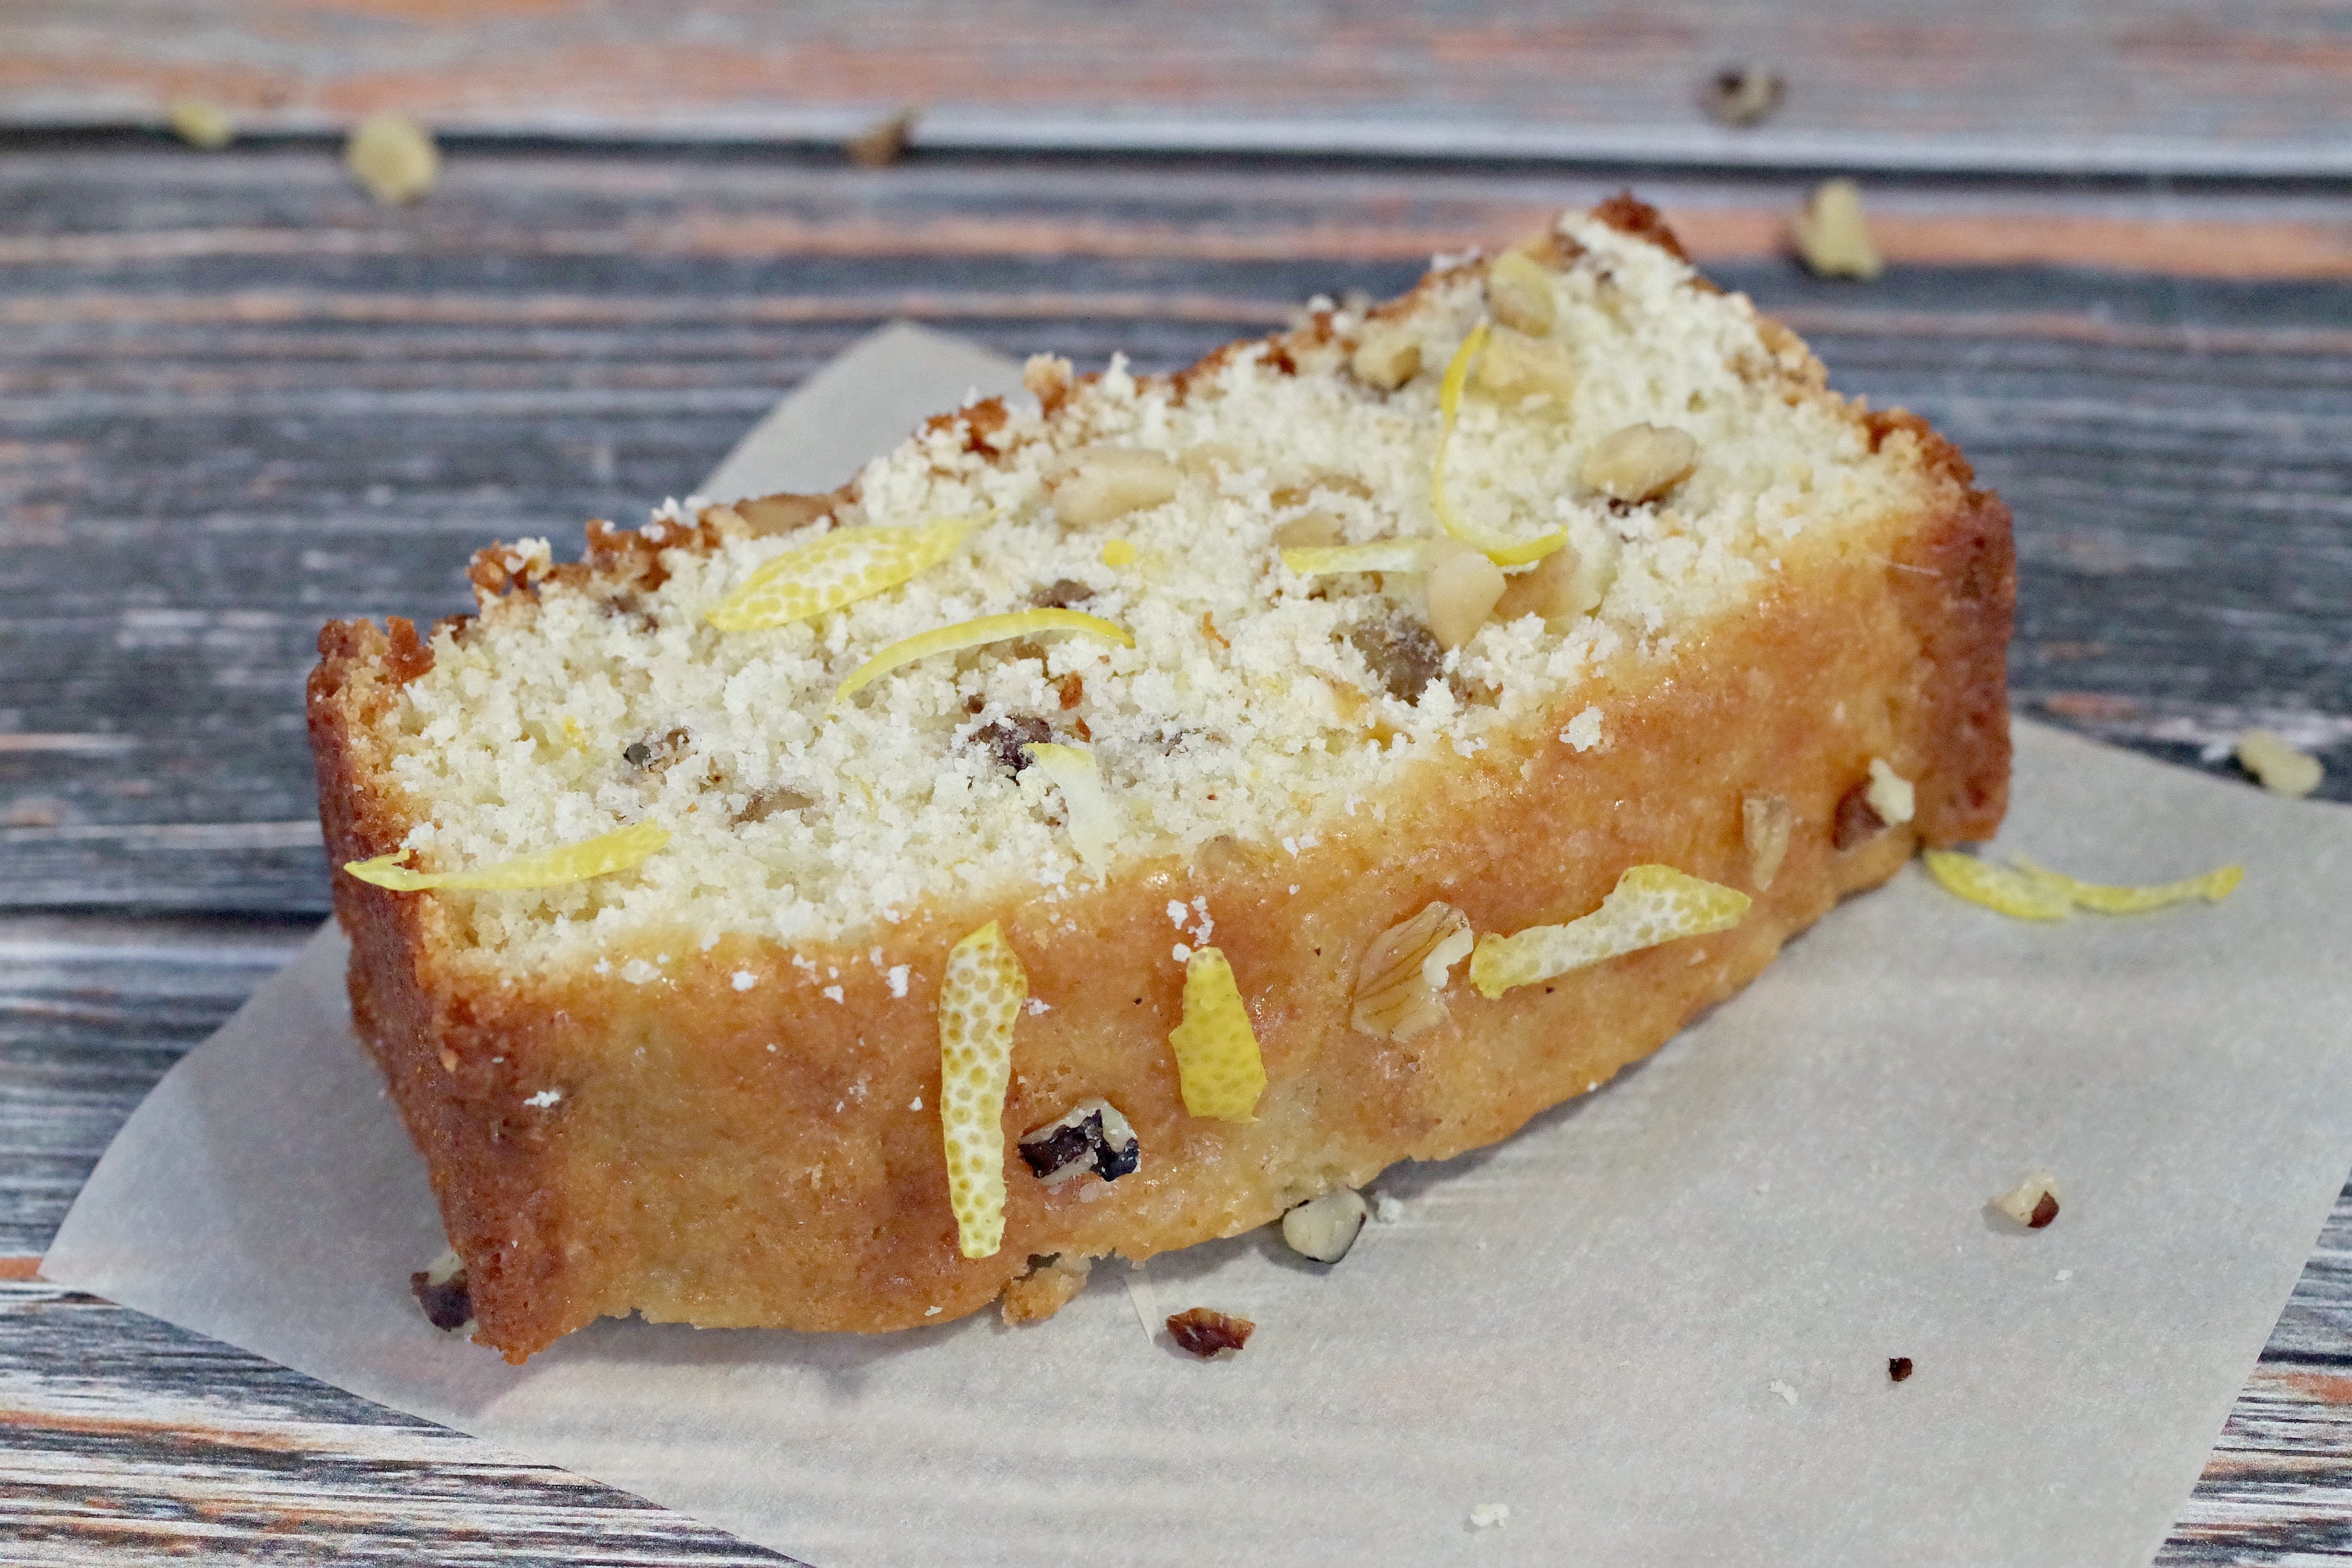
column 745, row 1131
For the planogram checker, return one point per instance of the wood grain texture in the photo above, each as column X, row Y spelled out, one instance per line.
column 2249, row 86
column 235, row 401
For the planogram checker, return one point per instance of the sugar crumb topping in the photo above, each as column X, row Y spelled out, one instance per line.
column 1253, row 702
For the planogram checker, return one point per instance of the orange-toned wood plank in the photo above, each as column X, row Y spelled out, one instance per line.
column 20, row 1268
column 2261, row 84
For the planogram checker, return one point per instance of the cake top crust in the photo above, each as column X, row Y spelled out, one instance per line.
column 1684, row 448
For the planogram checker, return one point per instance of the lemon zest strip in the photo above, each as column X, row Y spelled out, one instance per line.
column 2000, row 888
column 2109, row 899
column 980, row 1000
column 973, row 633
column 1502, row 552
column 1380, row 555
column 840, row 568
column 1218, row 1066
column 1650, row 905
column 598, row 856
column 1092, row 820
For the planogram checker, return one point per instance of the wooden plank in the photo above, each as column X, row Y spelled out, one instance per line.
column 237, row 401
column 2260, row 87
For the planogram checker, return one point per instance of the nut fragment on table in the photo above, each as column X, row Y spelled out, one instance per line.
column 201, row 123
column 2279, row 767
column 884, row 142
column 1742, row 95
column 2033, row 1202
column 1855, row 822
column 1211, row 1335
column 393, row 158
column 1324, row 1228
column 1898, row 1367
column 1833, row 237
column 1639, row 463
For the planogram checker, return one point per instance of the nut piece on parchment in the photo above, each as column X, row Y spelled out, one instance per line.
column 1898, row 1367
column 1211, row 1335
column 1324, row 1228
column 1401, row 982
column 884, row 142
column 1742, row 95
column 2033, row 1202
column 393, row 158
column 440, row 1290
column 1832, row 238
column 1639, row 463
column 2277, row 766
column 201, row 123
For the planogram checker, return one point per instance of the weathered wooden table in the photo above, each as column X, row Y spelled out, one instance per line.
column 235, row 399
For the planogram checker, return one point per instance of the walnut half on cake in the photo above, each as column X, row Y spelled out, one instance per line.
column 1067, row 839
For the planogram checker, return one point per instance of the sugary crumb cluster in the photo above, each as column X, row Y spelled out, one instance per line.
column 1256, row 702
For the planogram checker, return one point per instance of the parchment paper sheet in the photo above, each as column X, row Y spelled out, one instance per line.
column 1655, row 1324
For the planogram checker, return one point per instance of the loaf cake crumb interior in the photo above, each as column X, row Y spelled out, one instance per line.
column 1256, row 702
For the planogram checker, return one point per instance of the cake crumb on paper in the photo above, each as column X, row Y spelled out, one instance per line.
column 1490, row 1516
column 1387, row 1210
column 1783, row 1390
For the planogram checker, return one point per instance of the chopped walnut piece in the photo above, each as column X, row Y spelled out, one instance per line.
column 1516, row 365
column 1324, row 1228
column 1071, row 691
column 1387, row 358
column 1209, row 1334
column 1742, row 95
column 1048, row 377
column 1403, row 657
column 767, row 803
column 2278, row 766
column 1091, row 1136
column 440, row 1289
column 1898, row 1367
column 1832, row 238
column 1519, row 294
column 2033, row 1202
column 1309, row 531
column 1463, row 588
column 1047, row 1288
column 1856, row 822
column 1400, row 980
column 1557, row 588
column 1765, row 822
column 1639, row 463
column 1061, row 593
column 1099, row 483
column 1002, row 739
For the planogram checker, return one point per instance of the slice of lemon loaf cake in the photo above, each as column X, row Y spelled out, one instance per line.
column 1121, row 815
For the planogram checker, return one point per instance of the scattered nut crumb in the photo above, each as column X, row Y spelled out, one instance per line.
column 1386, row 359
column 1519, row 294
column 1557, row 588
column 1742, row 95
column 1898, row 1367
column 1516, row 366
column 1890, row 794
column 1324, row 1228
column 440, row 1290
column 1401, row 982
column 1490, row 1516
column 2280, row 767
column 393, row 158
column 1463, row 588
column 1832, row 238
column 1211, row 1335
column 884, row 142
column 1099, row 483
column 1765, row 822
column 1856, row 821
column 1049, row 1286
column 201, row 123
column 1639, row 463
column 2033, row 1202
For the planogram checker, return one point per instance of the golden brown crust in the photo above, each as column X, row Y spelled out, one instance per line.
column 728, row 1156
